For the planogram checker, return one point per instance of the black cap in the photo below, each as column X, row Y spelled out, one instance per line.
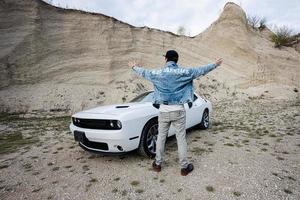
column 171, row 54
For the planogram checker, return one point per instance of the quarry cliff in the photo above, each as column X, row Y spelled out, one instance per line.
column 54, row 59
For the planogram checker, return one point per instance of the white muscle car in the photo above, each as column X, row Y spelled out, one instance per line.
column 125, row 127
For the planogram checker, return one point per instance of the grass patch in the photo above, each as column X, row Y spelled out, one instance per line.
column 35, row 173
column 274, row 173
column 4, row 166
column 93, row 180
column 134, row 183
column 37, row 190
column 291, row 178
column 198, row 150
column 139, row 191
column 210, row 144
column 210, row 188
column 11, row 142
column 124, row 193
column 229, row 144
column 87, row 187
column 287, row 191
column 278, row 139
column 264, row 149
column 237, row 193
column 115, row 190
column 272, row 135
column 27, row 166
column 245, row 141
column 85, row 168
column 254, row 136
column 55, row 168
column 238, row 145
column 279, row 158
column 92, row 157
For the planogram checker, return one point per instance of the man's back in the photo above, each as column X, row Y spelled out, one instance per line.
column 173, row 84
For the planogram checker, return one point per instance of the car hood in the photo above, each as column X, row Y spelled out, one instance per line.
column 118, row 109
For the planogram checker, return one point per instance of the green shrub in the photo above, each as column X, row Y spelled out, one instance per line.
column 282, row 36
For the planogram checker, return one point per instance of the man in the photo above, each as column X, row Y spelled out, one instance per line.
column 173, row 87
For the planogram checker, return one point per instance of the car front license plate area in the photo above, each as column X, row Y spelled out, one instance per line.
column 79, row 136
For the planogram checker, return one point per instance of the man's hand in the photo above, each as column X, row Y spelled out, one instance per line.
column 132, row 63
column 219, row 62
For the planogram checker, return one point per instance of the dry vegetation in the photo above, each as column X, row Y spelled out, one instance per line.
column 282, row 36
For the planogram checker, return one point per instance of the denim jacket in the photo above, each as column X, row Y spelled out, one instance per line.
column 173, row 84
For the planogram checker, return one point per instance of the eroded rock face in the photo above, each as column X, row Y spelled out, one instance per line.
column 68, row 60
column 233, row 14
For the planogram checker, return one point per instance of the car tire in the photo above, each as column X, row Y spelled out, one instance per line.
column 148, row 139
column 204, row 124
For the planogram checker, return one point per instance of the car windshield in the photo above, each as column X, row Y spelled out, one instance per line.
column 145, row 97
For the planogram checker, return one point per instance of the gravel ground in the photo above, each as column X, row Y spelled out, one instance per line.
column 251, row 151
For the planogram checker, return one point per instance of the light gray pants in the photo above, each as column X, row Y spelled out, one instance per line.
column 177, row 119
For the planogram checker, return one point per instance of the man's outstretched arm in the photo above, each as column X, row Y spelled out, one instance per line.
column 199, row 71
column 145, row 73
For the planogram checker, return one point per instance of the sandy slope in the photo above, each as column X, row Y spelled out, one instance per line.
column 67, row 60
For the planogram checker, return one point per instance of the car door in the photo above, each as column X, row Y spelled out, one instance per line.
column 193, row 114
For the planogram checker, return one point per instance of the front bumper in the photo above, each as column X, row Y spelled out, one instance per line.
column 106, row 141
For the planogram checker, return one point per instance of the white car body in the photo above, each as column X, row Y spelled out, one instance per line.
column 133, row 118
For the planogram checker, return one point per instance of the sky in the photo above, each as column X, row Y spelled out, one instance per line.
column 194, row 15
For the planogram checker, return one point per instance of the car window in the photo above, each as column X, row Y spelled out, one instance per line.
column 145, row 97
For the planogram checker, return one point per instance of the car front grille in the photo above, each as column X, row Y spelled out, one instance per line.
column 96, row 123
column 93, row 145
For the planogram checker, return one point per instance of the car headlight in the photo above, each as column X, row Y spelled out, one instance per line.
column 111, row 124
column 73, row 120
column 119, row 124
column 115, row 124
